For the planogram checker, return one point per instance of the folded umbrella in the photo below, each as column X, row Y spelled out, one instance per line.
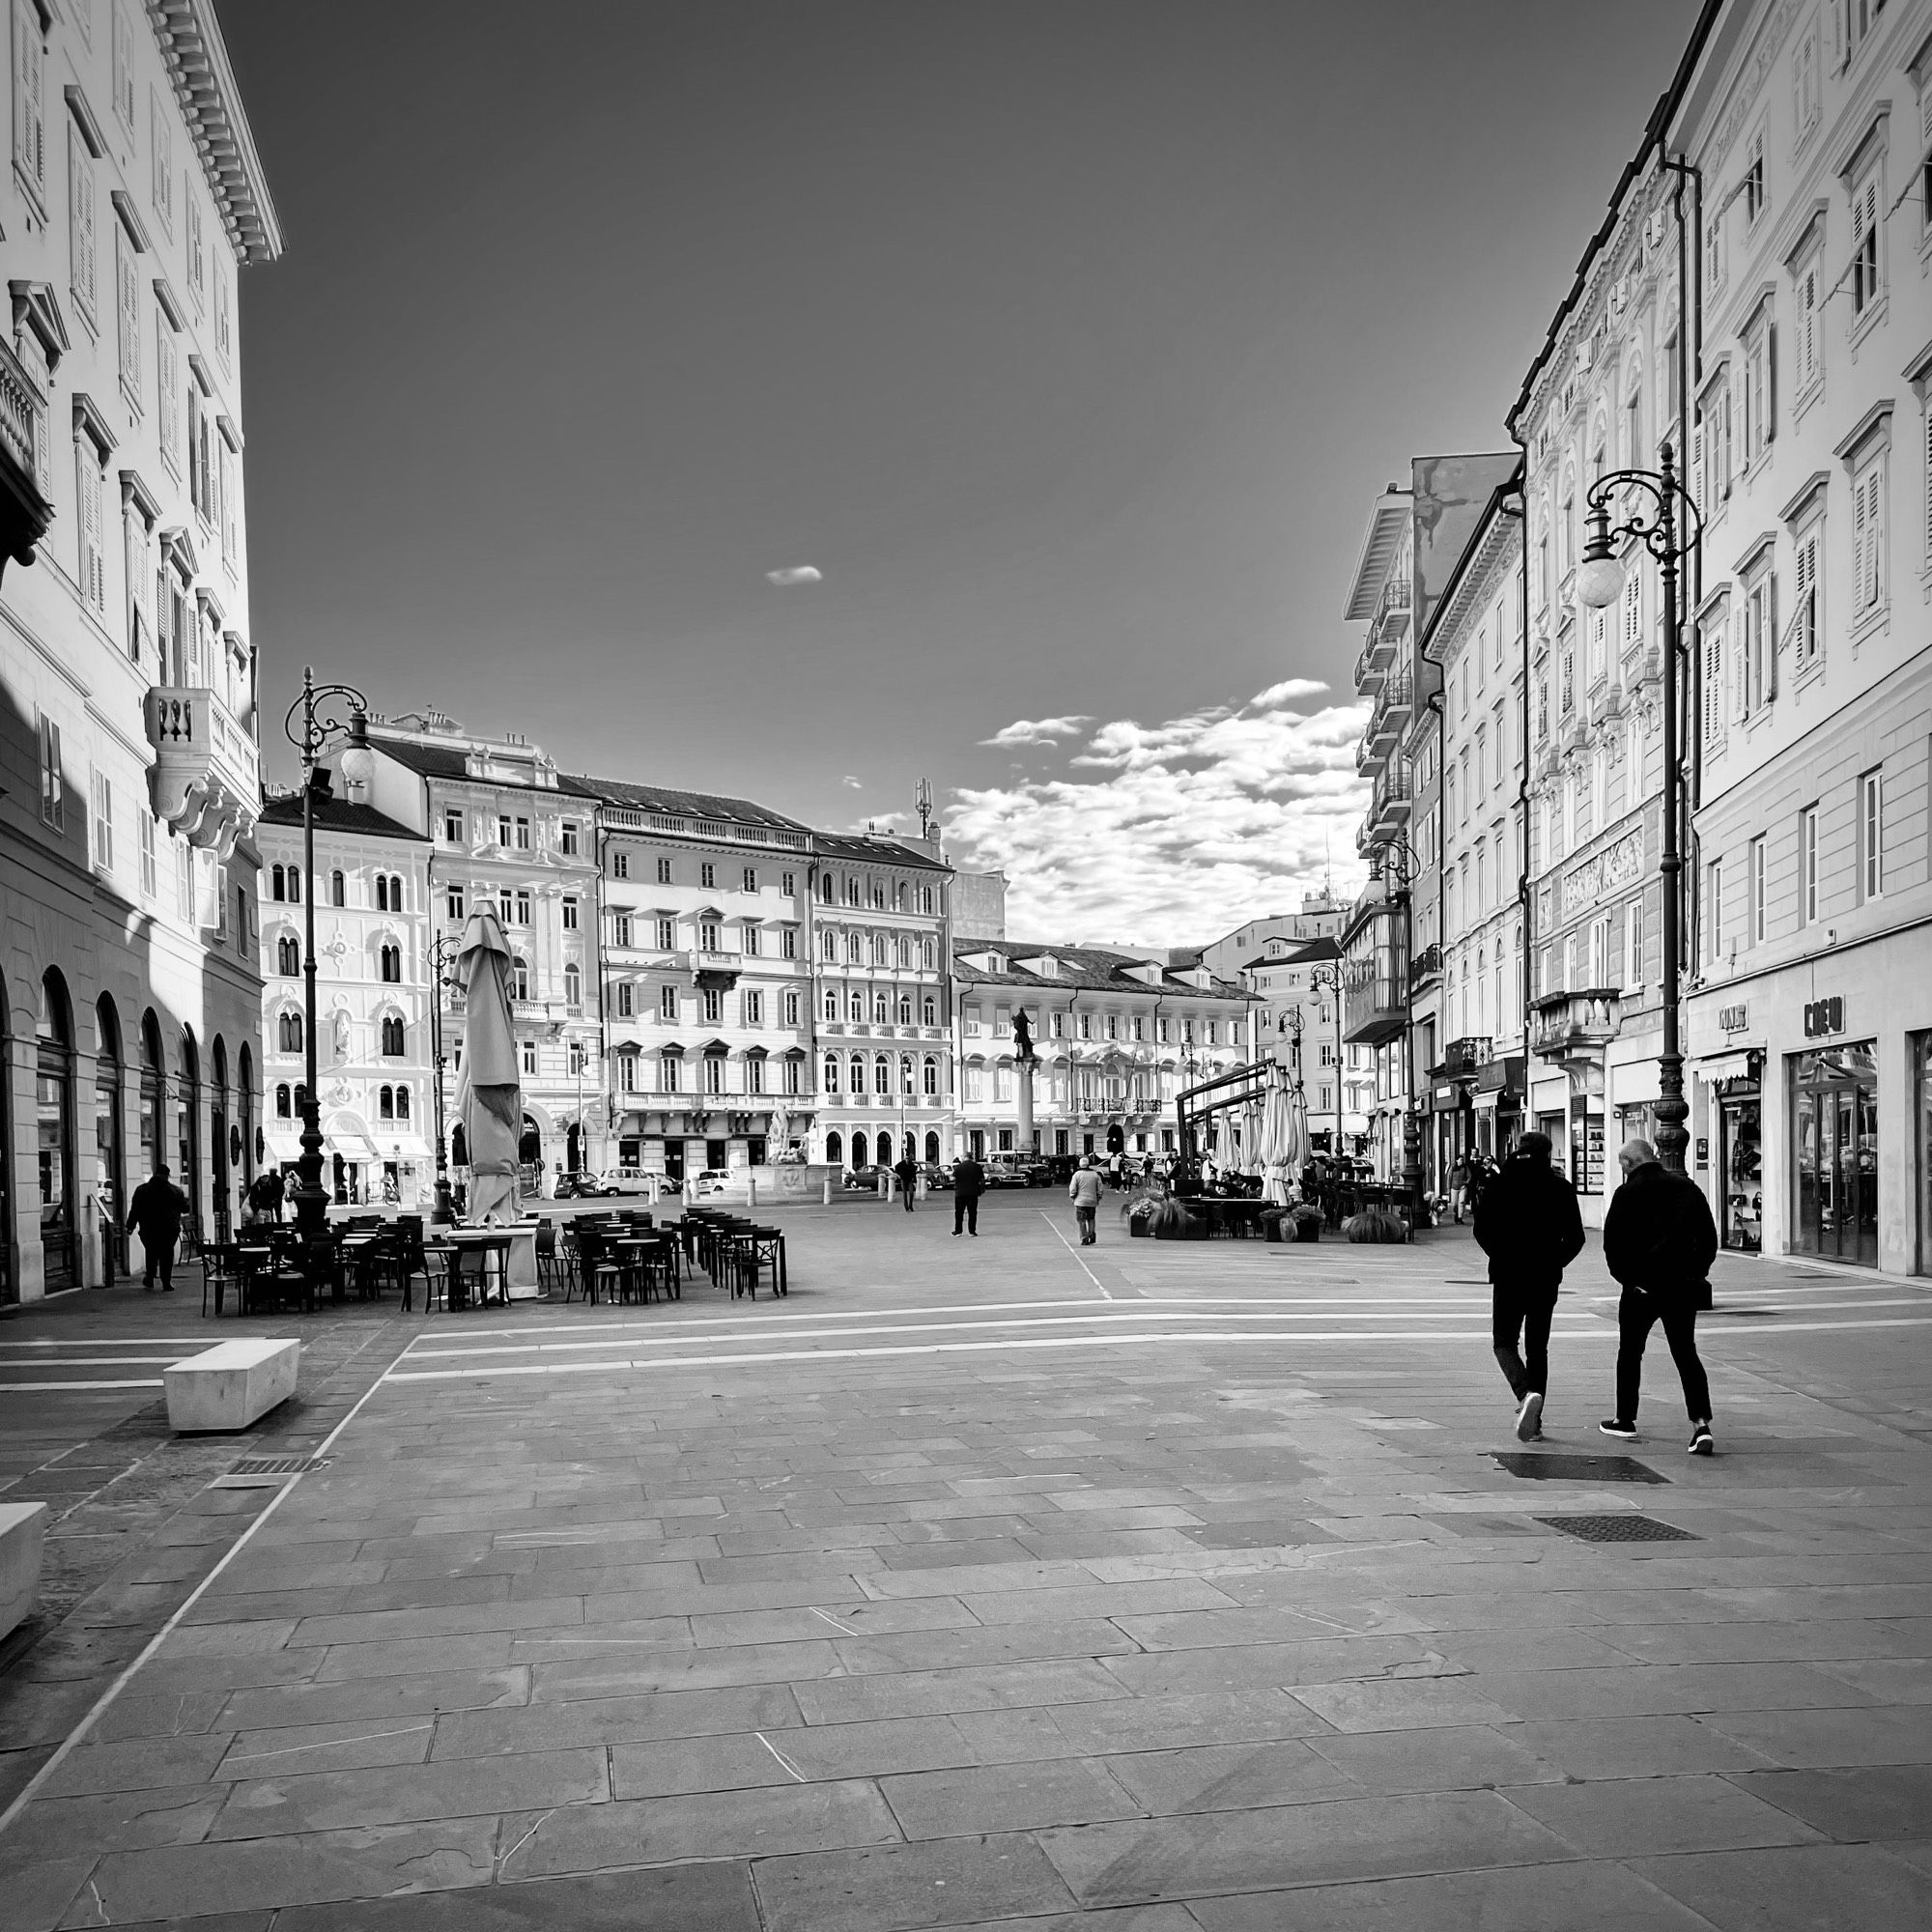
column 489, row 1092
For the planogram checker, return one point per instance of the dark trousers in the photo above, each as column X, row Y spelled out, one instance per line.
column 158, row 1257
column 905, row 1196
column 1636, row 1312
column 1084, row 1217
column 966, row 1212
column 1525, row 1313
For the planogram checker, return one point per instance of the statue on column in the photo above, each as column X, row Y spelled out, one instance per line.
column 1023, row 1039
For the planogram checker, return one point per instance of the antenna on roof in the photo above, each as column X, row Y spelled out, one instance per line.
column 925, row 800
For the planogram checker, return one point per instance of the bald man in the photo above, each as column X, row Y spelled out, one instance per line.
column 1658, row 1241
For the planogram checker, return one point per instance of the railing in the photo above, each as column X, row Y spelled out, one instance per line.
column 623, row 818
column 1463, row 1057
column 1570, row 1024
column 23, row 413
column 1368, row 668
column 207, row 775
column 1426, row 965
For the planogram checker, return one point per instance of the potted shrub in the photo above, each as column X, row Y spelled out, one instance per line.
column 1303, row 1224
column 1376, row 1226
column 1170, row 1221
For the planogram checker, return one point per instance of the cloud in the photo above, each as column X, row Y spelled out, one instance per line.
column 799, row 573
column 849, row 779
column 1175, row 833
column 1037, row 732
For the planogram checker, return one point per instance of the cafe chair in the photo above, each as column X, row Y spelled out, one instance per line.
column 220, row 1271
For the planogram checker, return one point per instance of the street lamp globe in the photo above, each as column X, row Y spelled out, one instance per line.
column 1599, row 580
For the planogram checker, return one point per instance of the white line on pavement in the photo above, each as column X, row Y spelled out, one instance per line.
column 128, row 1341
column 93, row 1362
column 36, row 1388
column 1070, row 1249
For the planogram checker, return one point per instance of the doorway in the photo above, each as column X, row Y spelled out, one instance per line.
column 1741, row 1172
column 1834, row 1151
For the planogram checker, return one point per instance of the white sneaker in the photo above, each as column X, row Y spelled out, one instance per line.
column 1529, row 1417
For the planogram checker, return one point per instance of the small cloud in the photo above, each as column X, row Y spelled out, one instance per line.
column 849, row 779
column 1037, row 732
column 1284, row 693
column 799, row 573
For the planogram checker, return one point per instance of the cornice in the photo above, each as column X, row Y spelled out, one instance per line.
column 203, row 83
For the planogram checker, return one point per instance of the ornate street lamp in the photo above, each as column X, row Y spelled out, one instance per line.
column 318, row 729
column 1328, row 978
column 1650, row 516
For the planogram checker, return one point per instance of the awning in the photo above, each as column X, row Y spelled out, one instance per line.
column 401, row 1147
column 351, row 1147
column 282, row 1146
column 1733, row 1065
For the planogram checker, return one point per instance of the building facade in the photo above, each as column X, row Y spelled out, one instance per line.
column 1297, row 1023
column 130, row 1027
column 376, row 1069
column 1468, row 838
column 1117, row 1036
column 880, row 944
column 1808, row 1015
column 706, row 981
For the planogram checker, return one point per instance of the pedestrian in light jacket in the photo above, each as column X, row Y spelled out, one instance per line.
column 1658, row 1241
column 1084, row 1190
column 969, row 1182
column 156, row 1214
column 1528, row 1224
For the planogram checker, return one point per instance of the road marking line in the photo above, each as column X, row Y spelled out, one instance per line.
column 780, row 1755
column 1071, row 1250
column 130, row 1341
column 96, row 1362
column 34, row 1388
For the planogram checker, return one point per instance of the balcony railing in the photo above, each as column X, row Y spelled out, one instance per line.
column 1393, row 791
column 1462, row 1057
column 24, row 427
column 1425, row 966
column 1368, row 669
column 1575, row 1025
column 206, row 778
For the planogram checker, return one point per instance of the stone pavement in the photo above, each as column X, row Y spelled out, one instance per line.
column 1151, row 1589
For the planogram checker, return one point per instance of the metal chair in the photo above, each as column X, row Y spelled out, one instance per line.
column 221, row 1271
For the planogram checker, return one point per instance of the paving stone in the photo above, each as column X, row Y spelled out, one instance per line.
column 1088, row 1598
column 114, row 1821
column 347, row 1747
column 1631, row 1817
column 1808, row 1740
column 1228, row 1777
column 979, row 1688
column 1855, row 1807
column 1536, row 1899
column 149, row 1764
column 653, row 1668
column 282, row 1705
column 1232, row 1666
column 950, row 1649
column 1130, row 1919
column 1803, row 1888
column 1453, row 1758
column 1665, row 1688
column 1206, row 1717
column 901, row 1887
column 1404, row 1704
column 614, row 1720
column 689, row 1899
column 818, row 1621
column 1632, row 1746
column 1259, row 1850
column 974, row 1800
column 764, row 1823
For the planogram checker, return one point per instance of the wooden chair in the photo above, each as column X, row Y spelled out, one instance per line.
column 221, row 1271
column 431, row 1263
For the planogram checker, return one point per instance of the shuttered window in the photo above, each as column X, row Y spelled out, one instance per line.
column 1868, row 538
column 92, row 564
column 127, row 314
column 30, row 133
column 1865, row 243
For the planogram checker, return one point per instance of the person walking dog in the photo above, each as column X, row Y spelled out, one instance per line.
column 156, row 1215
column 1083, row 1191
column 905, row 1171
column 969, row 1182
column 1658, row 1241
column 1528, row 1224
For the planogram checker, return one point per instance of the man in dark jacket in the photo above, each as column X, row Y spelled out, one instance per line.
column 969, row 1182
column 1528, row 1225
column 1660, row 1241
column 154, row 1213
column 905, row 1171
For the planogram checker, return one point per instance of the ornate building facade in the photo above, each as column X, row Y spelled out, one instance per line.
column 129, row 1027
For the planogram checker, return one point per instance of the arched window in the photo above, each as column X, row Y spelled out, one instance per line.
column 832, row 1074
column 859, row 1149
column 906, row 1073
column 858, row 1075
column 338, row 889
column 288, row 955
column 905, row 1009
column 283, row 1108
column 831, row 1003
column 828, row 943
column 288, row 1033
column 392, row 1036
column 882, row 1075
column 392, row 964
column 54, row 1131
column 385, row 1104
column 855, row 1004
column 932, row 1149
column 244, row 1087
column 932, row 1084
column 881, row 1008
column 573, row 986
column 401, row 1103
column 829, row 892
column 520, row 980
column 383, row 893
column 928, row 956
column 905, row 952
column 929, row 1011
column 835, row 1145
column 278, row 883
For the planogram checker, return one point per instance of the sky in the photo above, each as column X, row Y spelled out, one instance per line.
column 799, row 400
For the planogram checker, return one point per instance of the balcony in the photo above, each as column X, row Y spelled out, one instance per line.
column 1391, row 714
column 1461, row 1057
column 206, row 781
column 24, row 512
column 1573, row 734
column 1427, row 964
column 1390, row 812
column 1374, row 973
column 1368, row 670
column 1607, row 702
column 1368, row 759
column 1574, row 1026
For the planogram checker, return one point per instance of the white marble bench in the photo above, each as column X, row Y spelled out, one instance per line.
column 229, row 1385
column 23, row 1529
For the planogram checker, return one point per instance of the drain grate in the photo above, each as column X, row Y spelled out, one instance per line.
column 1619, row 1529
column 1575, row 1468
column 278, row 1466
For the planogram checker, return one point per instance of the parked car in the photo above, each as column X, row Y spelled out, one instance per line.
column 632, row 1180
column 712, row 1183
column 938, row 1173
column 578, row 1187
column 863, row 1179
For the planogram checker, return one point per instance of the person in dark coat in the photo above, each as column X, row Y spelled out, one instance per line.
column 1528, row 1224
column 969, row 1182
column 905, row 1171
column 156, row 1214
column 1658, row 1241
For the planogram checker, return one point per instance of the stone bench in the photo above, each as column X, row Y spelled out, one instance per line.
column 23, row 1528
column 229, row 1385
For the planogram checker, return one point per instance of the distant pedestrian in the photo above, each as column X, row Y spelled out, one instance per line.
column 1084, row 1190
column 1528, row 1225
column 156, row 1214
column 905, row 1171
column 969, row 1182
column 1658, row 1241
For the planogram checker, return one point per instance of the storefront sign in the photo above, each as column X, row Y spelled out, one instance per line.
column 1734, row 1019
column 1823, row 1016
column 1603, row 873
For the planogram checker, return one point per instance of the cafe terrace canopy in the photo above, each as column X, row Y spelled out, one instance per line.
column 489, row 1096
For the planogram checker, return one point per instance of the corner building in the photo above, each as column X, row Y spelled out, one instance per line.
column 130, row 776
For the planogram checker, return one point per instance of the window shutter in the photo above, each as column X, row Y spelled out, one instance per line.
column 128, row 300
column 1927, row 432
column 30, row 134
column 1770, row 637
column 1769, row 382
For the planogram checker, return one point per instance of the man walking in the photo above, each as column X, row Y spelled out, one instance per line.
column 1083, row 1191
column 1658, row 1241
column 969, row 1182
column 905, row 1171
column 154, row 1213
column 1528, row 1225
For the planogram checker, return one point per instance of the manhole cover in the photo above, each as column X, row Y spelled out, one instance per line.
column 278, row 1466
column 1619, row 1529
column 1575, row 1468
